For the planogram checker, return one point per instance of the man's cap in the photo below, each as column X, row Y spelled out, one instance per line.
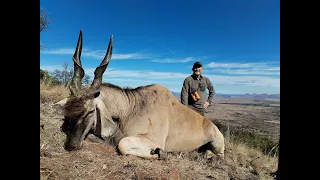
column 197, row 65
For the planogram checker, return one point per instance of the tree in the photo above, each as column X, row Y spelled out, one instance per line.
column 45, row 77
column 64, row 76
column 45, row 20
column 86, row 80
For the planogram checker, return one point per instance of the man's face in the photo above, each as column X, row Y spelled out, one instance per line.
column 197, row 70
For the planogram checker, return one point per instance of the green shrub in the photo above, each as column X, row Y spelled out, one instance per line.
column 251, row 139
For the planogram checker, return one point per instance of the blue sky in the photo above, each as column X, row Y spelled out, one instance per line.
column 238, row 42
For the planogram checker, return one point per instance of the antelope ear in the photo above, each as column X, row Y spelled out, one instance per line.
column 93, row 93
column 103, row 110
column 105, row 126
column 62, row 102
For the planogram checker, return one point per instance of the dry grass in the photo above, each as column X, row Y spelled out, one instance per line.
column 52, row 93
column 97, row 161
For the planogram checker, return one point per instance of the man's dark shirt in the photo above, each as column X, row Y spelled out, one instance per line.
column 191, row 84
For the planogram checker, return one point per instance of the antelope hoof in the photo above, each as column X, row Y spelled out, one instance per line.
column 209, row 155
column 161, row 154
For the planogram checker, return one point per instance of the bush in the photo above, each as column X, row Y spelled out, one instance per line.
column 46, row 78
column 251, row 139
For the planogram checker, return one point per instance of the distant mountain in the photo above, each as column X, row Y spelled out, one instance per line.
column 247, row 95
column 176, row 94
column 254, row 95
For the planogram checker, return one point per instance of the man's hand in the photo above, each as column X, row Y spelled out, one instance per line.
column 206, row 104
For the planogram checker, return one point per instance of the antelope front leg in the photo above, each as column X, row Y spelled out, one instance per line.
column 140, row 146
column 217, row 145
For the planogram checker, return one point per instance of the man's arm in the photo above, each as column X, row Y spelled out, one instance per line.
column 184, row 92
column 212, row 92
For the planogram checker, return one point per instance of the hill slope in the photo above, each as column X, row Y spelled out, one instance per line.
column 98, row 161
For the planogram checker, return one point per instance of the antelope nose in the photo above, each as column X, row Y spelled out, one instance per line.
column 69, row 148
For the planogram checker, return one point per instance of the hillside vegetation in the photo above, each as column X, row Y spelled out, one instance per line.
column 98, row 161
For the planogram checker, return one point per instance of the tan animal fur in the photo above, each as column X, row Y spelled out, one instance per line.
column 147, row 121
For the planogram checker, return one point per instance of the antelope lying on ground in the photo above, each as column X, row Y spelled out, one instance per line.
column 147, row 121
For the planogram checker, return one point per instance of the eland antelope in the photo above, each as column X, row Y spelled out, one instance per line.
column 147, row 121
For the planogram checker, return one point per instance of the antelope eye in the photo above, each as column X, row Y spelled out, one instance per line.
column 68, row 124
column 69, row 121
column 91, row 111
column 88, row 114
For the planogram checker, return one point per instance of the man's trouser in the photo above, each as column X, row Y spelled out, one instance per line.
column 200, row 111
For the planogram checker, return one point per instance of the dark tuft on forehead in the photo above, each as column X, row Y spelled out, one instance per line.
column 74, row 107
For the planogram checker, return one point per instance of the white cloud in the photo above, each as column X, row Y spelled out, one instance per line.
column 173, row 60
column 144, row 81
column 247, row 72
column 178, row 60
column 245, row 80
column 144, row 74
column 88, row 71
column 176, row 77
column 238, row 65
column 179, row 77
column 133, row 83
column 272, row 69
column 174, row 80
column 253, row 75
column 51, row 67
column 97, row 54
column 263, row 68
